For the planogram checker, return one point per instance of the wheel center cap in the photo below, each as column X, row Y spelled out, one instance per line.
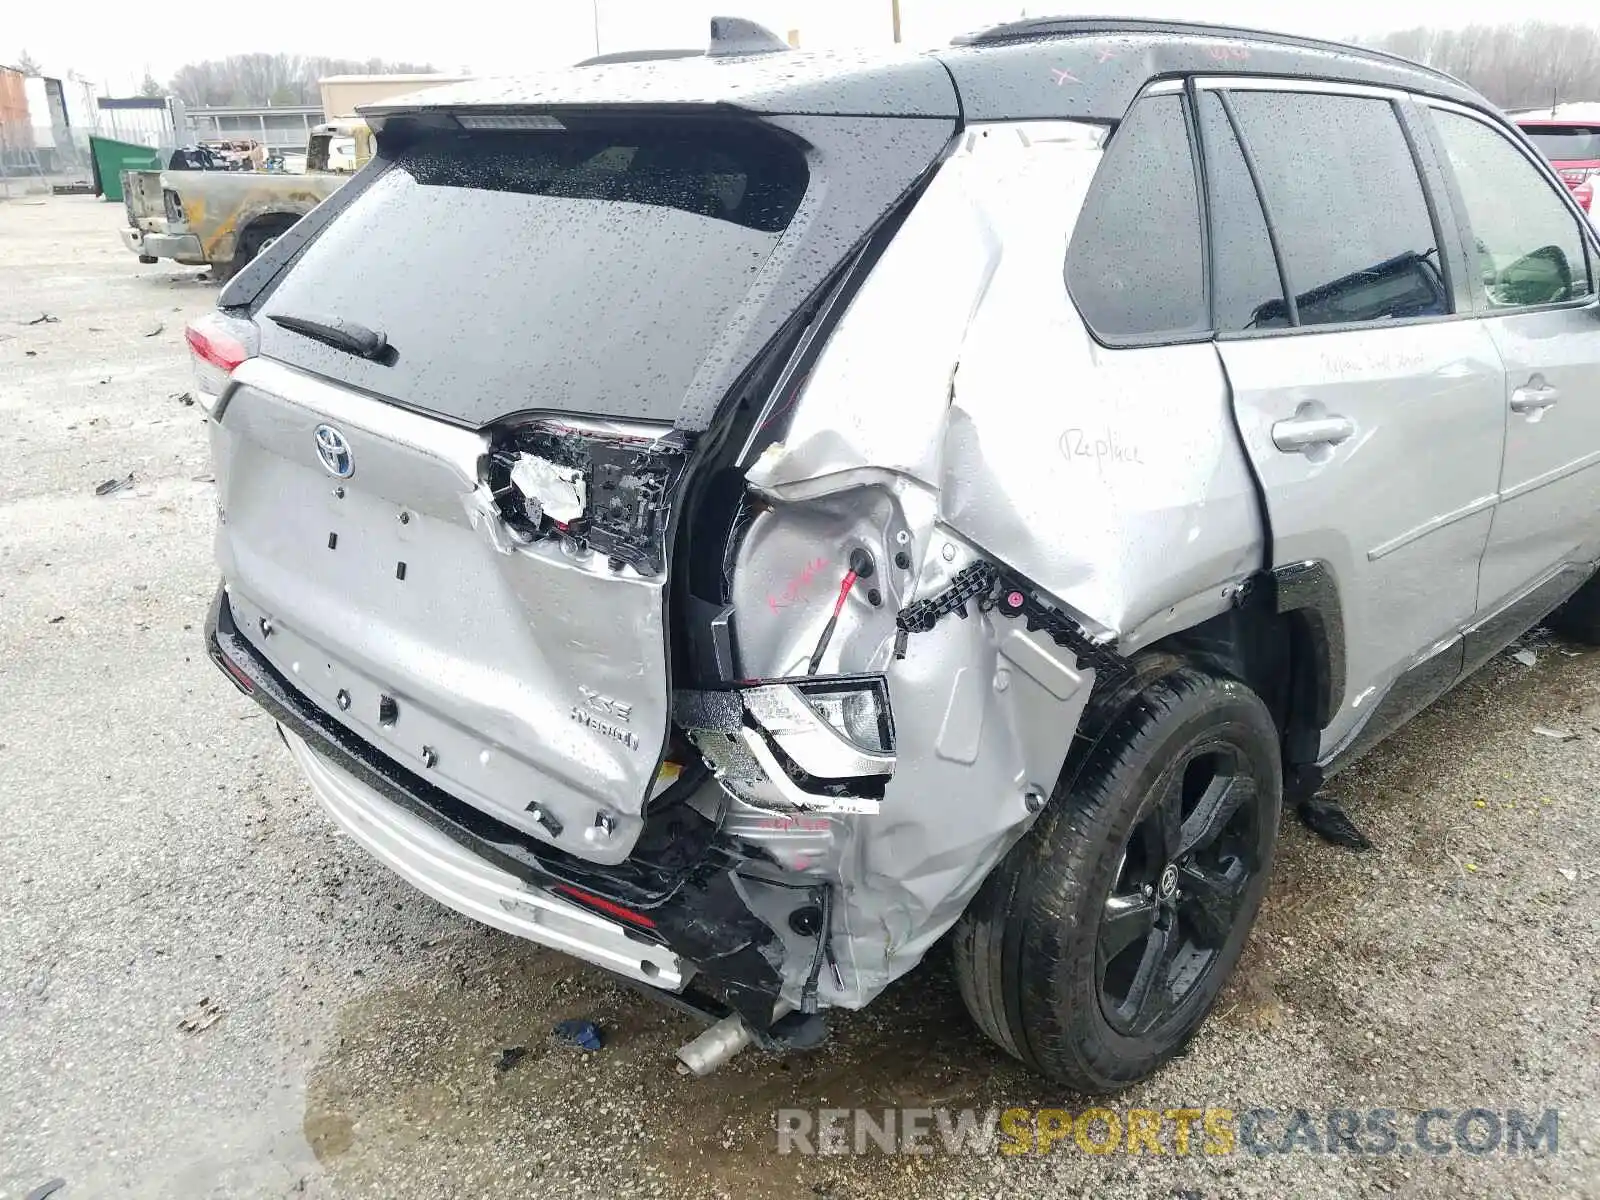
column 1169, row 882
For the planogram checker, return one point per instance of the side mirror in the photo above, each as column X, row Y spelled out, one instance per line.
column 1541, row 277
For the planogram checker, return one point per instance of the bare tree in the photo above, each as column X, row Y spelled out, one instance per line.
column 28, row 65
column 1530, row 65
column 272, row 78
column 151, row 87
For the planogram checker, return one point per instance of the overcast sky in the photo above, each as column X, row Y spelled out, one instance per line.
column 113, row 43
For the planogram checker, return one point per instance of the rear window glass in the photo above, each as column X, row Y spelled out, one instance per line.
column 586, row 271
column 1134, row 267
column 1565, row 143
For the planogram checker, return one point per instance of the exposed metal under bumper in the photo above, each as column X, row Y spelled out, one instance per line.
column 459, row 879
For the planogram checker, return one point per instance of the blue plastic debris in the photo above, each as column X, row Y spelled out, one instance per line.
column 583, row 1034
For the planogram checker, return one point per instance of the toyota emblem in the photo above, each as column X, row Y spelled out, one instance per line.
column 334, row 452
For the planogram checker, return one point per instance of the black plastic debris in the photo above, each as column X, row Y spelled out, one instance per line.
column 113, row 485
column 510, row 1057
column 585, row 1035
column 57, row 620
column 184, row 398
column 45, row 319
column 49, row 1188
column 1330, row 823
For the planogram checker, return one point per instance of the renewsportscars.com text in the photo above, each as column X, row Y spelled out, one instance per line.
column 1431, row 1132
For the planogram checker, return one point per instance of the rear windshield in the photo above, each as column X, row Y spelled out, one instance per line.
column 1565, row 143
column 586, row 271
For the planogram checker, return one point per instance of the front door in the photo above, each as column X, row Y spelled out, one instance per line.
column 1532, row 278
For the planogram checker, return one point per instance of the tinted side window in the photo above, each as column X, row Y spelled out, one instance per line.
column 1134, row 266
column 1248, row 293
column 1347, row 206
column 1526, row 241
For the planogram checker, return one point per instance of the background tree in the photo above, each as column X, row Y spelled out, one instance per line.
column 28, row 65
column 150, row 87
column 272, row 78
column 1531, row 65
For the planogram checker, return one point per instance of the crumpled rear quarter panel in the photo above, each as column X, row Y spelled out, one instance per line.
column 963, row 403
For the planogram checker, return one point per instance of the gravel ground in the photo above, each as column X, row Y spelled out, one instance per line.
column 162, row 863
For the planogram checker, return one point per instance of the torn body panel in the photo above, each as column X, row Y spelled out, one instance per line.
column 1091, row 494
column 1026, row 537
column 983, row 711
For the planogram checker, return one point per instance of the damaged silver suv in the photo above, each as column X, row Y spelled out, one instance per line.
column 740, row 518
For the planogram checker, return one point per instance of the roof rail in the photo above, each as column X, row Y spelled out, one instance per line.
column 735, row 35
column 1046, row 27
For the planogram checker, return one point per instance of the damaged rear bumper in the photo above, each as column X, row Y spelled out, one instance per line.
column 453, row 875
column 673, row 913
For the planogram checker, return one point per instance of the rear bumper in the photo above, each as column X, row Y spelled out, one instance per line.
column 459, row 879
column 184, row 247
column 692, row 916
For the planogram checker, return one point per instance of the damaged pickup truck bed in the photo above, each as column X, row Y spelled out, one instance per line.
column 737, row 518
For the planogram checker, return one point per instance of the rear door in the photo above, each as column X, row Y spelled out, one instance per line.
column 1372, row 417
column 1532, row 278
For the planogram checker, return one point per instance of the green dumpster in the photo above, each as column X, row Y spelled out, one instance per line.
column 111, row 158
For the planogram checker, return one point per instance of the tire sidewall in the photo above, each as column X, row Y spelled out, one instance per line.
column 1061, row 1004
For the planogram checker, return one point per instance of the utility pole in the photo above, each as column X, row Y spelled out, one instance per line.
column 894, row 10
column 595, row 6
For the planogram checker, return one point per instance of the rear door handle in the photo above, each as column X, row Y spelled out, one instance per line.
column 1534, row 397
column 1305, row 431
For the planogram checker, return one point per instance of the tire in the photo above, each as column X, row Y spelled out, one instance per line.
column 251, row 242
column 1028, row 950
column 1578, row 617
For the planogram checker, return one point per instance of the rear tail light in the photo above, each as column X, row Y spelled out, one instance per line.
column 173, row 204
column 217, row 344
column 813, row 744
column 610, row 492
column 1580, row 180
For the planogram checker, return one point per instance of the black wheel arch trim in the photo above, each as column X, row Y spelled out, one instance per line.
column 1309, row 590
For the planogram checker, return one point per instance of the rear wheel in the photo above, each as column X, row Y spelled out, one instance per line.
column 250, row 243
column 1579, row 617
column 1094, row 951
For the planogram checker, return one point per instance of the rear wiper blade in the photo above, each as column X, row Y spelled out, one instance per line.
column 349, row 336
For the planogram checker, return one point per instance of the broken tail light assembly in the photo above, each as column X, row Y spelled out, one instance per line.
column 218, row 343
column 823, row 745
column 610, row 492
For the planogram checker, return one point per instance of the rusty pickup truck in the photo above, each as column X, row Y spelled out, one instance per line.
column 225, row 218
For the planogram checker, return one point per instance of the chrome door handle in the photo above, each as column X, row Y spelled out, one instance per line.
column 1300, row 433
column 1534, row 397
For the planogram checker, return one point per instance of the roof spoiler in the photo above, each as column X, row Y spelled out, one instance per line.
column 735, row 35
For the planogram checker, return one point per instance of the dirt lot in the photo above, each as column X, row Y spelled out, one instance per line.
column 162, row 863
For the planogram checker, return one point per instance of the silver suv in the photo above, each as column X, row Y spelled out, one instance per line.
column 740, row 518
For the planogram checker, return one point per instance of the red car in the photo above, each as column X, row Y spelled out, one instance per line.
column 1572, row 148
